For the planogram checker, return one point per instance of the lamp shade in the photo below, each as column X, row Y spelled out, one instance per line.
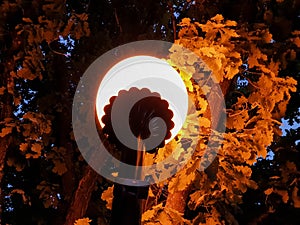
column 149, row 119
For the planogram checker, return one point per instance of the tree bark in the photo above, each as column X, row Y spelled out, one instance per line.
column 6, row 111
column 3, row 148
column 82, row 196
column 177, row 200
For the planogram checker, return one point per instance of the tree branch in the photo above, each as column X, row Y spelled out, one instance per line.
column 117, row 20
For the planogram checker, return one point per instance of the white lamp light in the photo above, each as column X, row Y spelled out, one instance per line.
column 145, row 72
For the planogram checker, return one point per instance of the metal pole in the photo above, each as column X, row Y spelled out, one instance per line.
column 127, row 207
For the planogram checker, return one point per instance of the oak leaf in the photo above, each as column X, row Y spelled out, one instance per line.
column 37, row 148
column 2, row 89
column 23, row 146
column 27, row 20
column 283, row 193
column 83, row 221
column 59, row 167
column 268, row 191
column 22, row 193
column 296, row 197
column 5, row 131
column 107, row 196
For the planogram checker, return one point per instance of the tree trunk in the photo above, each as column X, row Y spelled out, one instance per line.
column 5, row 112
column 3, row 148
column 82, row 196
column 178, row 199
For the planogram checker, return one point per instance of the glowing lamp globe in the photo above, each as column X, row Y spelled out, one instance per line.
column 145, row 72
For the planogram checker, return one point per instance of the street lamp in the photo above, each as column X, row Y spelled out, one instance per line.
column 97, row 104
column 135, row 120
column 150, row 120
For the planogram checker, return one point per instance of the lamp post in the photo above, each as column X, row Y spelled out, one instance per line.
column 150, row 120
column 139, row 64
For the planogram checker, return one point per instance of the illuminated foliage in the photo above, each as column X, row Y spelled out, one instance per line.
column 84, row 221
column 231, row 53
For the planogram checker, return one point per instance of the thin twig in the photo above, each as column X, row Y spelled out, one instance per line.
column 237, row 113
column 56, row 52
column 117, row 20
column 252, row 84
column 171, row 9
column 186, row 5
column 252, row 72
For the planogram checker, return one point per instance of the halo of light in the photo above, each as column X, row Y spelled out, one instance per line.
column 84, row 115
